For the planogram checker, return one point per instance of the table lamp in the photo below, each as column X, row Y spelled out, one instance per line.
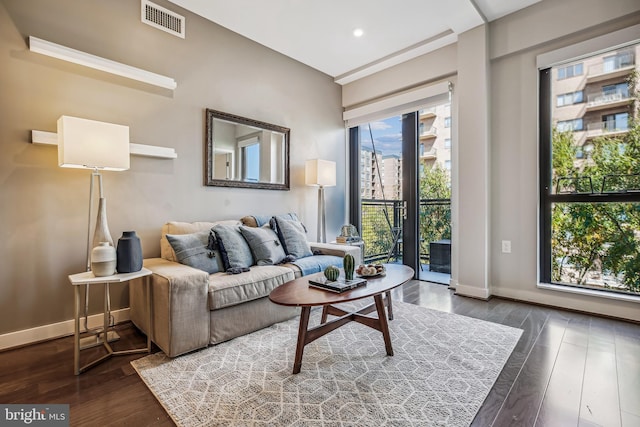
column 321, row 173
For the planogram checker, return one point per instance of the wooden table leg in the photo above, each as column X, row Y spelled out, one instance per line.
column 302, row 337
column 325, row 314
column 384, row 324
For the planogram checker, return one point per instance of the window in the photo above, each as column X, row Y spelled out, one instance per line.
column 447, row 122
column 615, row 122
column 570, row 71
column 620, row 89
column 251, row 162
column 569, row 98
column 589, row 183
column 447, row 165
column 617, row 61
column 447, row 143
column 569, row 125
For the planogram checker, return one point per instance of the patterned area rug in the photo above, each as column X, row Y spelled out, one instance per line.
column 443, row 368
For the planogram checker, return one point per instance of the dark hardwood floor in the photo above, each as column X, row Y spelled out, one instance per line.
column 568, row 369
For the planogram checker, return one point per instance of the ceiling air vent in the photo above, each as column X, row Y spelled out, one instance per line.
column 162, row 19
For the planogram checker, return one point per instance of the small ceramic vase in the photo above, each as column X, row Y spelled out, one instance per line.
column 103, row 260
column 129, row 253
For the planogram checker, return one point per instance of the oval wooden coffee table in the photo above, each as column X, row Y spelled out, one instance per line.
column 298, row 293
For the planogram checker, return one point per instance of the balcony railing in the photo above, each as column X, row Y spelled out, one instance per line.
column 427, row 112
column 434, row 225
column 429, row 155
column 607, row 98
column 609, row 126
column 430, row 132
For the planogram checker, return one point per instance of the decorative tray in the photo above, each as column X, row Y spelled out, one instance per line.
column 379, row 272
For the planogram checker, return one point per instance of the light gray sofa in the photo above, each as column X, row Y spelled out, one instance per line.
column 192, row 309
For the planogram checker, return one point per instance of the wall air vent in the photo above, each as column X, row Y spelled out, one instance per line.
column 162, row 19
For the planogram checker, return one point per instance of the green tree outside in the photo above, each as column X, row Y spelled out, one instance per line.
column 597, row 240
column 435, row 219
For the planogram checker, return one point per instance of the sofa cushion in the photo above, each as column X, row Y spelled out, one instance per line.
column 177, row 227
column 264, row 244
column 234, row 249
column 317, row 263
column 226, row 290
column 197, row 250
column 293, row 237
column 255, row 220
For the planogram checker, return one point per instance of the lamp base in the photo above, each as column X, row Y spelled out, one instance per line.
column 322, row 228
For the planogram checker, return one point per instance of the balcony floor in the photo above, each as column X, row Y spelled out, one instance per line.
column 433, row 276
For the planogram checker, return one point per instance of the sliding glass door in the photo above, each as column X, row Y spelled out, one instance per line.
column 401, row 192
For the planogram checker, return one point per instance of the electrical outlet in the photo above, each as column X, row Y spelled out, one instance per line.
column 506, row 246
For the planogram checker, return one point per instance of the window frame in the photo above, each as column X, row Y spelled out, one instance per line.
column 572, row 96
column 546, row 197
column 567, row 75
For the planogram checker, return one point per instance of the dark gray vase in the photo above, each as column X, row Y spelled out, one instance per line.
column 129, row 253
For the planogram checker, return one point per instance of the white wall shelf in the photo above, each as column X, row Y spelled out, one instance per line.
column 51, row 138
column 92, row 61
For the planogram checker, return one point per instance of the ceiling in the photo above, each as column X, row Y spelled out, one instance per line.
column 320, row 33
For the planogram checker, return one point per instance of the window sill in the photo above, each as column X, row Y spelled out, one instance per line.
column 590, row 292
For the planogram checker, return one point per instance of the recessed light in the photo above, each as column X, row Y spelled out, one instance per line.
column 358, row 32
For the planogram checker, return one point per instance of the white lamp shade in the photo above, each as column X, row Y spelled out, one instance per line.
column 320, row 172
column 91, row 144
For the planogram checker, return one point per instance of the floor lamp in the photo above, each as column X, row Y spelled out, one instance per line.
column 321, row 173
column 98, row 146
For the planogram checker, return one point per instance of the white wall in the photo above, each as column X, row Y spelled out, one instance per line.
column 514, row 148
column 473, row 194
column 44, row 207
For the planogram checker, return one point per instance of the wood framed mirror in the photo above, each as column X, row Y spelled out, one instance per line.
column 245, row 153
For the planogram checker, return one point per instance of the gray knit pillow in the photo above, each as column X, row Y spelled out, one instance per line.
column 196, row 250
column 293, row 237
column 234, row 248
column 264, row 244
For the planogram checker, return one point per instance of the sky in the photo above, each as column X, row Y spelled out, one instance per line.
column 387, row 135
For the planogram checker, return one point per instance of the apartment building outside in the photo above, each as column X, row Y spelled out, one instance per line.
column 591, row 97
column 435, row 137
column 590, row 239
column 381, row 170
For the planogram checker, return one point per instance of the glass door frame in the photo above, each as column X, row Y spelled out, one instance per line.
column 410, row 187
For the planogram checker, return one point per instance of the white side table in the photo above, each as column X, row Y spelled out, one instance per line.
column 358, row 243
column 86, row 279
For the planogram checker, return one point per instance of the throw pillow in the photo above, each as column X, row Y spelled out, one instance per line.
column 196, row 250
column 293, row 237
column 234, row 249
column 265, row 245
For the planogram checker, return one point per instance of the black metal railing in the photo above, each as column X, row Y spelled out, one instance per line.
column 382, row 218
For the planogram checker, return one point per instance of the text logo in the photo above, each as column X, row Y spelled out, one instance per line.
column 34, row 415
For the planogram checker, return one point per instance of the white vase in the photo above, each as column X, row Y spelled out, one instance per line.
column 101, row 233
column 103, row 260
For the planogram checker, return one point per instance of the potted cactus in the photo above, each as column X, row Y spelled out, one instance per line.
column 331, row 273
column 349, row 266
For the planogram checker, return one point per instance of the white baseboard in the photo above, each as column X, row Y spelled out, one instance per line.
column 472, row 291
column 56, row 330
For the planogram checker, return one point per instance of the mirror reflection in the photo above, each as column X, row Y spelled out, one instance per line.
column 243, row 152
